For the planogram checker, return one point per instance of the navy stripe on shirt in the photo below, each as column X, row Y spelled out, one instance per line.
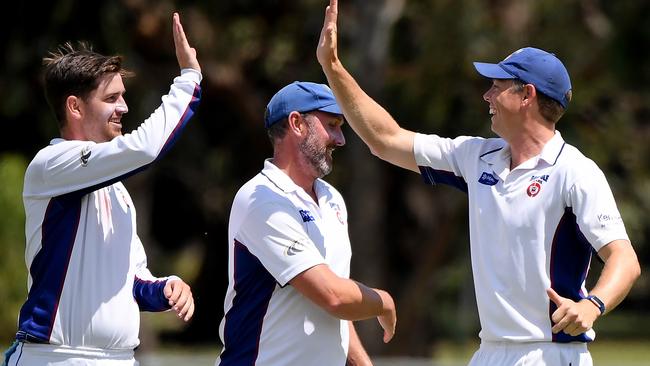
column 254, row 286
column 570, row 259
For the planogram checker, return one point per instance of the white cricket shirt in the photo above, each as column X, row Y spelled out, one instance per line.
column 88, row 276
column 276, row 232
column 531, row 228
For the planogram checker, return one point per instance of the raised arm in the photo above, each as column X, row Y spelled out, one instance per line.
column 385, row 138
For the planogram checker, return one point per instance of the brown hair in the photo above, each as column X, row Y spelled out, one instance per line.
column 76, row 70
column 549, row 108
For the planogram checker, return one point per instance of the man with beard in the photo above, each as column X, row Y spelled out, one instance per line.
column 289, row 227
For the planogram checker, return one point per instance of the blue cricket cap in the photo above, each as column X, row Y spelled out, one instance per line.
column 532, row 66
column 300, row 96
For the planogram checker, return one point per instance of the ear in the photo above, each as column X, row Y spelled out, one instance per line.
column 296, row 123
column 530, row 93
column 73, row 108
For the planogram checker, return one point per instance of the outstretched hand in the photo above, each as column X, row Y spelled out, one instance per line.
column 572, row 318
column 327, row 52
column 185, row 54
column 180, row 298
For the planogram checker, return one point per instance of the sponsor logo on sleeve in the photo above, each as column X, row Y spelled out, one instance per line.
column 85, row 155
column 488, row 179
column 606, row 219
column 295, row 248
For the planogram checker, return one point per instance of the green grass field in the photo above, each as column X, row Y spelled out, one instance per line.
column 604, row 353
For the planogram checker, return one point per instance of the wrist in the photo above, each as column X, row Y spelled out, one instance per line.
column 597, row 302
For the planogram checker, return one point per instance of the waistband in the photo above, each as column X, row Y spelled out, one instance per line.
column 99, row 353
column 532, row 345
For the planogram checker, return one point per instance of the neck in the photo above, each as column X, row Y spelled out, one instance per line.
column 529, row 143
column 298, row 171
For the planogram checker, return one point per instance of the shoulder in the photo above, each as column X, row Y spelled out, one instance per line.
column 487, row 146
column 578, row 170
column 574, row 162
column 259, row 193
column 473, row 143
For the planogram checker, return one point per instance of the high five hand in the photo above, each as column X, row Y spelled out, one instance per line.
column 185, row 54
column 326, row 52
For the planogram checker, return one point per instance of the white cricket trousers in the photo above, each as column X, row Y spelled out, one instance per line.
column 30, row 354
column 531, row 354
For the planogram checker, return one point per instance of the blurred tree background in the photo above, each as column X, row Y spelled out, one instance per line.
column 414, row 56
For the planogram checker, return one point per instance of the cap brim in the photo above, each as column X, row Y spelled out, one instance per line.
column 332, row 108
column 492, row 71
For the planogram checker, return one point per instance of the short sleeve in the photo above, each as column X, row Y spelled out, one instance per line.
column 595, row 208
column 274, row 234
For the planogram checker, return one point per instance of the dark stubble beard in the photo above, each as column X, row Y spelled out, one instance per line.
column 316, row 153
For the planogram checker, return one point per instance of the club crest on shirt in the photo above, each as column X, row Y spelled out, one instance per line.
column 306, row 215
column 85, row 155
column 536, row 186
column 488, row 179
column 337, row 208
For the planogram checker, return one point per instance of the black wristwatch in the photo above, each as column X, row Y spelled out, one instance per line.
column 597, row 302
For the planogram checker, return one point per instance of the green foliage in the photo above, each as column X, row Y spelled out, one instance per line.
column 13, row 280
column 414, row 242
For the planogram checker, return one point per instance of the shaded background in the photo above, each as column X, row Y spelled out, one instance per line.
column 413, row 56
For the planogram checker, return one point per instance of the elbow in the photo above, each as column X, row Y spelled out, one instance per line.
column 634, row 267
column 378, row 151
column 636, row 271
column 336, row 307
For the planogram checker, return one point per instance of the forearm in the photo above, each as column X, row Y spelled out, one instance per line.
column 367, row 118
column 341, row 297
column 356, row 301
column 619, row 273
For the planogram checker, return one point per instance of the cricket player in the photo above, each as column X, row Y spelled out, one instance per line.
column 88, row 278
column 538, row 208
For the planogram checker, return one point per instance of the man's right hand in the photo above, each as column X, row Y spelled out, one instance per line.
column 185, row 54
column 327, row 51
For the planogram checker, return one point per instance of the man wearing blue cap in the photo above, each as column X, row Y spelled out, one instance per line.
column 538, row 207
column 290, row 300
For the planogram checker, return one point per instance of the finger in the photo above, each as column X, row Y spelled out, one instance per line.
column 334, row 9
column 388, row 335
column 560, row 325
column 188, row 304
column 572, row 329
column 177, row 289
column 180, row 40
column 388, row 324
column 190, row 311
column 168, row 291
column 557, row 299
column 182, row 302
